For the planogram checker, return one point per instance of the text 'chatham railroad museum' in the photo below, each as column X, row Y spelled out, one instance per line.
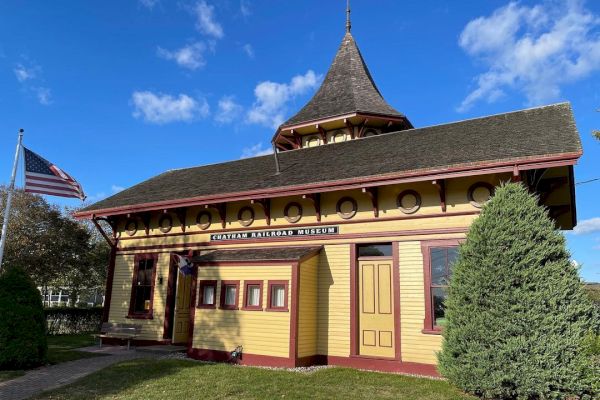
column 338, row 250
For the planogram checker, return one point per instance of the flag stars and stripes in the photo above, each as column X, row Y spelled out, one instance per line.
column 43, row 177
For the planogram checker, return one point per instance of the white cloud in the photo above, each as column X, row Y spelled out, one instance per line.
column 248, row 49
column 117, row 188
column 163, row 108
column 205, row 20
column 587, row 226
column 228, row 110
column 533, row 50
column 44, row 95
column 270, row 106
column 190, row 56
column 245, row 8
column 23, row 73
column 256, row 150
column 149, row 4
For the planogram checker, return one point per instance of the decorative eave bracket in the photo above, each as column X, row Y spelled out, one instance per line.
column 181, row 214
column 315, row 199
column 221, row 209
column 112, row 242
column 440, row 185
column 266, row 206
column 371, row 192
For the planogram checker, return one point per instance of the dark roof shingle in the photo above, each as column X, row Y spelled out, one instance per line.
column 260, row 254
column 536, row 132
column 348, row 88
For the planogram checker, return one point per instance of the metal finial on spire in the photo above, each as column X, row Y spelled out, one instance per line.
column 348, row 23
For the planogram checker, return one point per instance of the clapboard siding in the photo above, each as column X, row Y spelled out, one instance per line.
column 333, row 311
column 307, row 308
column 258, row 332
column 416, row 346
column 152, row 329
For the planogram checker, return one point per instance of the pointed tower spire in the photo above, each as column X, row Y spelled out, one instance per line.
column 348, row 23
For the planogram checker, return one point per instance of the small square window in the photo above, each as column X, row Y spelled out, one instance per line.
column 207, row 294
column 253, row 295
column 278, row 296
column 229, row 295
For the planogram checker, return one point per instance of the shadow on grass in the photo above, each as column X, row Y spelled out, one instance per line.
column 63, row 348
column 8, row 375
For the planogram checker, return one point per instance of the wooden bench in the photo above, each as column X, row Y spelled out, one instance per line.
column 119, row 331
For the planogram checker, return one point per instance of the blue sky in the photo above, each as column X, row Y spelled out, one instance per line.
column 115, row 92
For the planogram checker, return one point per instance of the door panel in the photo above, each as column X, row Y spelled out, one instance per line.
column 376, row 317
column 182, row 308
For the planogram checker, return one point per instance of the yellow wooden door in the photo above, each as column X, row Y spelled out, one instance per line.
column 182, row 309
column 376, row 310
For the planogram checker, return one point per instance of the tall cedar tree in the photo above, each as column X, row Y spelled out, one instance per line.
column 517, row 314
column 22, row 321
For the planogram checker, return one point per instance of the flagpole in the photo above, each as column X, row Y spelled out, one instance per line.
column 11, row 188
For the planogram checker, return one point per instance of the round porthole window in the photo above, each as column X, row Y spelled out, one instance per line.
column 480, row 193
column 293, row 212
column 131, row 227
column 203, row 220
column 312, row 141
column 165, row 223
column 409, row 201
column 338, row 136
column 246, row 216
column 346, row 207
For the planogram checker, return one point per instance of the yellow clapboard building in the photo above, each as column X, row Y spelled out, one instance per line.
column 338, row 248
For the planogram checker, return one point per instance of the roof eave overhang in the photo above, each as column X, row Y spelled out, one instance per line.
column 290, row 127
column 455, row 171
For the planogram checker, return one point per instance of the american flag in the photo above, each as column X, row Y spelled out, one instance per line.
column 43, row 177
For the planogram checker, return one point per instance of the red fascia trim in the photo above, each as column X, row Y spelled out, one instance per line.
column 396, row 291
column 222, row 304
column 252, row 263
column 258, row 307
column 426, row 245
column 193, row 307
column 170, row 300
column 314, row 238
column 462, row 170
column 201, row 286
column 109, row 283
column 353, row 306
column 246, row 359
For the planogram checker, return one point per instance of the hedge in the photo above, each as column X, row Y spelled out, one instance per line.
column 70, row 320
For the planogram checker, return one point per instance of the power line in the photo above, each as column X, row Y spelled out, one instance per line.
column 588, row 181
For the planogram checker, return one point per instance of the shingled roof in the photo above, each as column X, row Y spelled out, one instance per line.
column 260, row 254
column 348, row 88
column 517, row 137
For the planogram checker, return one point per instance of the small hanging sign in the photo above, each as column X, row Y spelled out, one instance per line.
column 276, row 233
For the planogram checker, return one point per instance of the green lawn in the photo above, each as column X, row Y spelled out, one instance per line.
column 60, row 349
column 181, row 379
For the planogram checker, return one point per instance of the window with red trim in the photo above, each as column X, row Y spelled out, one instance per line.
column 207, row 294
column 439, row 258
column 277, row 296
column 253, row 295
column 142, row 286
column 229, row 295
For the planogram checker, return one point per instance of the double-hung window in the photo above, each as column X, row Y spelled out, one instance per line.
column 207, row 294
column 229, row 295
column 142, row 286
column 439, row 257
column 278, row 296
column 253, row 295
